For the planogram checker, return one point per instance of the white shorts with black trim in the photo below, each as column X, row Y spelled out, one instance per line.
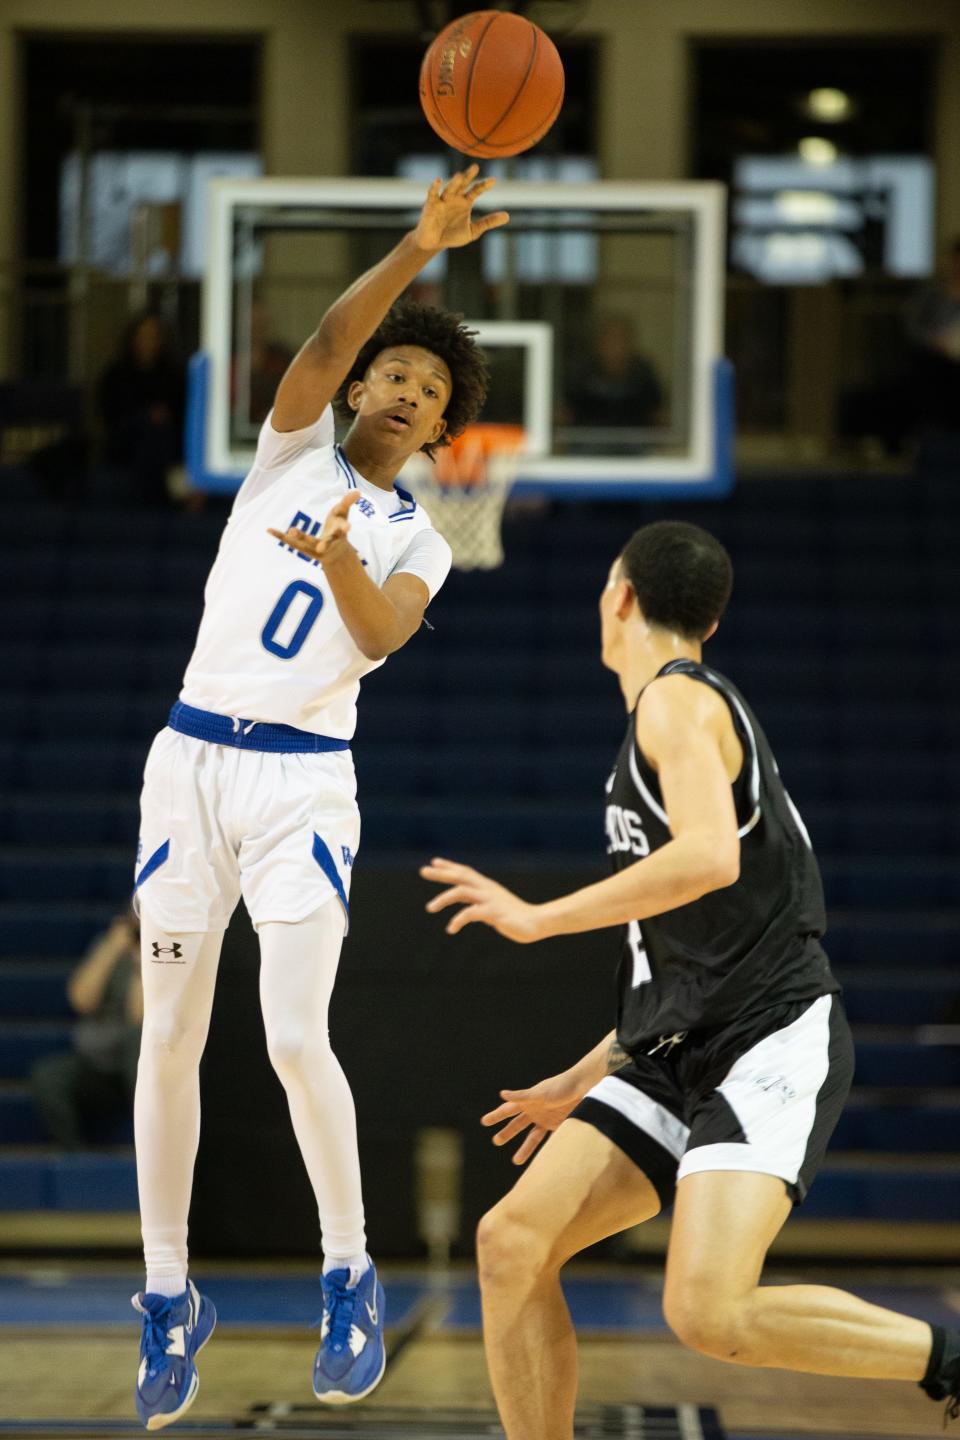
column 763, row 1096
column 216, row 822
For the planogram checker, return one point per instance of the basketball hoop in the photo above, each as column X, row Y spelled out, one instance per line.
column 465, row 489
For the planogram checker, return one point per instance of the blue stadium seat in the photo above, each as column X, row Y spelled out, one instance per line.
column 42, row 929
column 868, row 941
column 19, row 1122
column 74, row 820
column 78, row 1182
column 922, row 1128
column 906, row 1064
column 884, row 1192
column 908, row 996
column 64, row 875
column 71, row 765
column 22, row 1042
column 34, row 989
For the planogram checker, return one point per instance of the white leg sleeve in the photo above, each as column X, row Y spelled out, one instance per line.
column 179, row 974
column 298, row 968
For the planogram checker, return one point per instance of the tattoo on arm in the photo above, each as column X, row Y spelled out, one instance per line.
column 617, row 1057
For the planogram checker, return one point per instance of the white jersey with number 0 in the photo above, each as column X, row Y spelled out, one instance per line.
column 271, row 645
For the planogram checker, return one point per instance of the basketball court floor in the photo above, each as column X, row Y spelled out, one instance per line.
column 68, row 1348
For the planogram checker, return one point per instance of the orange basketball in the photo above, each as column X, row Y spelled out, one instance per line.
column 491, row 84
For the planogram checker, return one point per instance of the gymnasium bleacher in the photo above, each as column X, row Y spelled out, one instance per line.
column 842, row 633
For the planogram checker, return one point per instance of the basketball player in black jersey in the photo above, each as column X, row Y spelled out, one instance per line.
column 731, row 1059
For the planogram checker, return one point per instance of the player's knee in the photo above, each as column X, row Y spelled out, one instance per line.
column 704, row 1322
column 508, row 1246
column 292, row 1047
column 166, row 1037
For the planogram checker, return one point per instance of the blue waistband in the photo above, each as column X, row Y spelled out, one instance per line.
column 249, row 734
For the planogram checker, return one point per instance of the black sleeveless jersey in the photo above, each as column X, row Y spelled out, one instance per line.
column 744, row 948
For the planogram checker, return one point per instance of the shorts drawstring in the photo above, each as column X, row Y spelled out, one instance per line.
column 246, row 728
column 667, row 1042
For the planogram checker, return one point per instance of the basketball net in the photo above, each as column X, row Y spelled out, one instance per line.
column 465, row 489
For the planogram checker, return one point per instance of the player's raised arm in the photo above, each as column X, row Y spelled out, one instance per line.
column 679, row 729
column 315, row 374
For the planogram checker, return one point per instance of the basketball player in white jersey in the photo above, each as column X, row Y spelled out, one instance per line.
column 325, row 568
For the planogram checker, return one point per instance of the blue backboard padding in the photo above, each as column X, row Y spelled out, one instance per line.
column 195, row 432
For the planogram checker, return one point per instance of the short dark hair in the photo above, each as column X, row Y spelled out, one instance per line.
column 681, row 574
column 443, row 334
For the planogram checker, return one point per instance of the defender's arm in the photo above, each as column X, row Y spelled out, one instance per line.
column 542, row 1108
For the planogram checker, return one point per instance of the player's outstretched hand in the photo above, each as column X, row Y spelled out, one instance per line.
column 483, row 901
column 538, row 1110
column 335, row 530
column 446, row 220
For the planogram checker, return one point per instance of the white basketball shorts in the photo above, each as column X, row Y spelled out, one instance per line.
column 282, row 830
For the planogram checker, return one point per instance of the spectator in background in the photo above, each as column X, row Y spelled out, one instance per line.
column 933, row 326
column 141, row 398
column 616, row 386
column 269, row 358
column 94, row 1081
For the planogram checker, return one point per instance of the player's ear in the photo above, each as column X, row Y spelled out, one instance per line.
column 355, row 394
column 626, row 599
column 712, row 631
column 437, row 431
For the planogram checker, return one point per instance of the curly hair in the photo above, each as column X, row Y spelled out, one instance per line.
column 681, row 574
column 443, row 334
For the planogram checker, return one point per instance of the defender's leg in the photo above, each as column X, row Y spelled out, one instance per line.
column 579, row 1189
column 724, row 1223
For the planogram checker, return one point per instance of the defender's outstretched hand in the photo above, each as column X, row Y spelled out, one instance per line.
column 483, row 900
column 336, row 528
column 539, row 1110
column 446, row 220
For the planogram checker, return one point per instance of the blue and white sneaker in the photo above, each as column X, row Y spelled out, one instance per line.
column 351, row 1358
column 174, row 1331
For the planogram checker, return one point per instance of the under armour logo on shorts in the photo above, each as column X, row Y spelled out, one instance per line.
column 347, row 854
column 176, row 950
